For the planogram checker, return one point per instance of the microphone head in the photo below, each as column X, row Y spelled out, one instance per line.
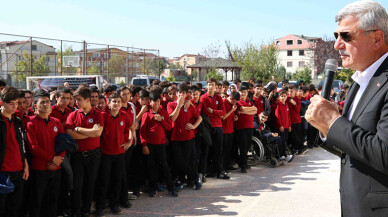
column 331, row 65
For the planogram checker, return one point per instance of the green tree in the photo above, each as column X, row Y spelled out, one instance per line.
column 214, row 74
column 260, row 62
column 345, row 75
column 153, row 67
column 281, row 72
column 23, row 66
column 303, row 74
column 170, row 78
column 94, row 70
column 117, row 66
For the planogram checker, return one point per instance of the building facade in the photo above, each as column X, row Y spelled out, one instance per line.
column 295, row 53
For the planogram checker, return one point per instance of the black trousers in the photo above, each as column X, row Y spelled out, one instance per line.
column 227, row 149
column 11, row 203
column 312, row 133
column 157, row 160
column 125, row 177
column 112, row 169
column 295, row 136
column 244, row 137
column 284, row 137
column 85, row 170
column 216, row 149
column 137, row 169
column 184, row 158
column 202, row 152
column 45, row 193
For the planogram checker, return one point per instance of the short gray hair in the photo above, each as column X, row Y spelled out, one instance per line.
column 372, row 15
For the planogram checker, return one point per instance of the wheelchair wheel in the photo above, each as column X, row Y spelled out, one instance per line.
column 274, row 162
column 257, row 148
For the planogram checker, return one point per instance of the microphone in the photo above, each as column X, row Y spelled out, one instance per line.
column 331, row 66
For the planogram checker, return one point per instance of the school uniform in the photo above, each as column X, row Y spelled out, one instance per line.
column 217, row 105
column 282, row 114
column 227, row 127
column 201, row 146
column 112, row 168
column 183, row 141
column 12, row 155
column 41, row 135
column 85, row 162
column 152, row 134
column 58, row 114
column 295, row 136
column 244, row 131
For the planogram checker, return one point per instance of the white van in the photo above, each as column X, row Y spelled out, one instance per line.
column 143, row 80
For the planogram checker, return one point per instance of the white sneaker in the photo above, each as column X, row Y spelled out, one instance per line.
column 289, row 158
column 282, row 158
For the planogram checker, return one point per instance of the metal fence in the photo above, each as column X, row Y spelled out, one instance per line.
column 22, row 56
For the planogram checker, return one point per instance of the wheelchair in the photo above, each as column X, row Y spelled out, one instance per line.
column 260, row 149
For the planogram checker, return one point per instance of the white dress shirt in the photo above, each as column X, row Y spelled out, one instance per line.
column 361, row 78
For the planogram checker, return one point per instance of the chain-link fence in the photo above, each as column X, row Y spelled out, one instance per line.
column 22, row 56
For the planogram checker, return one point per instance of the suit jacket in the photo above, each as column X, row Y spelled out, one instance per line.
column 363, row 142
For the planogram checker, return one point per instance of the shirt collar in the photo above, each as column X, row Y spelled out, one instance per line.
column 363, row 78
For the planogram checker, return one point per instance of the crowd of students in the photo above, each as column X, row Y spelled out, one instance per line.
column 65, row 147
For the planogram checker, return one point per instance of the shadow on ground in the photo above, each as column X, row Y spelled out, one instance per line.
column 217, row 195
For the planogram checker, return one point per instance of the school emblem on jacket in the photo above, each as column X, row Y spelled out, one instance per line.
column 91, row 120
column 261, row 101
column 122, row 123
column 185, row 110
column 55, row 129
column 216, row 102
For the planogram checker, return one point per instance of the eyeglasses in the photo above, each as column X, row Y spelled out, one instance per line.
column 347, row 36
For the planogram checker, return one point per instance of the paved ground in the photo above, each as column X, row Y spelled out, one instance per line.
column 306, row 187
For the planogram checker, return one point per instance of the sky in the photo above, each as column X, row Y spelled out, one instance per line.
column 173, row 27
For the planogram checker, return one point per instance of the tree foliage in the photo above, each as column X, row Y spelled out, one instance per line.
column 23, row 66
column 94, row 69
column 322, row 50
column 259, row 62
column 214, row 74
column 67, row 51
column 303, row 74
column 345, row 75
column 170, row 78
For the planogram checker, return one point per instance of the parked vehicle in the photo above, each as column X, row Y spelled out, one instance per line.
column 281, row 83
column 336, row 85
column 143, row 80
column 74, row 81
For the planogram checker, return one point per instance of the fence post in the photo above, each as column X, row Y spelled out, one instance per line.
column 61, row 60
column 30, row 56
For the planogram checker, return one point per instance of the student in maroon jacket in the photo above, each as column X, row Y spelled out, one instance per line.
column 41, row 133
column 12, row 154
column 227, row 126
column 213, row 107
column 185, row 119
column 114, row 143
column 60, row 110
column 283, row 121
column 85, row 125
column 154, row 124
column 294, row 104
column 244, row 125
column 21, row 111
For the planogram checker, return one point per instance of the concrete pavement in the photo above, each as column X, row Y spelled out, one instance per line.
column 306, row 187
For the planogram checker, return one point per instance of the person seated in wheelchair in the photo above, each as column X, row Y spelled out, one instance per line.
column 272, row 138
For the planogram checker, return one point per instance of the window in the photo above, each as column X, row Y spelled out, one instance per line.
column 299, row 41
column 301, row 64
column 96, row 55
column 289, row 53
column 301, row 52
column 34, row 48
column 47, row 59
column 289, row 64
column 278, row 43
column 290, row 42
column 3, row 46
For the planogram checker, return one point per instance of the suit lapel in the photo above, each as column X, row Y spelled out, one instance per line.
column 350, row 97
column 375, row 84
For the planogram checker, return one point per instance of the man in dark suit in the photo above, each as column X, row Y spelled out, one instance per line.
column 360, row 135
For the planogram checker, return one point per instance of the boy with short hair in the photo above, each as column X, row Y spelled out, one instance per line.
column 41, row 132
column 227, row 126
column 185, row 119
column 114, row 143
column 85, row 125
column 12, row 153
column 294, row 104
column 60, row 109
column 154, row 124
column 213, row 107
column 244, row 125
column 283, row 121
